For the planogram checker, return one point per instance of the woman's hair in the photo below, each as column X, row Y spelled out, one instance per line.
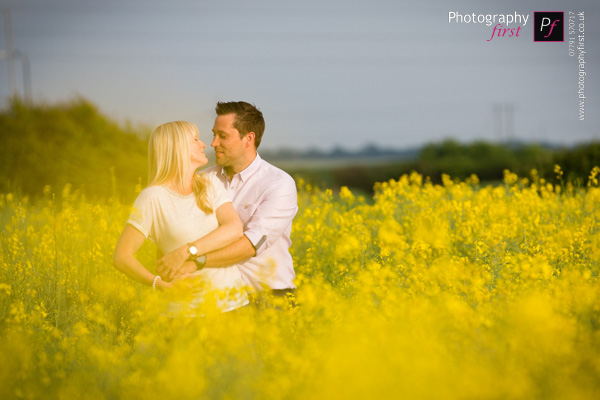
column 169, row 160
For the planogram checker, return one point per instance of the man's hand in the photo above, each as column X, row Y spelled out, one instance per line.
column 187, row 268
column 170, row 264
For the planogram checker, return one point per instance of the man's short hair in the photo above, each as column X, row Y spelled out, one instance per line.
column 248, row 118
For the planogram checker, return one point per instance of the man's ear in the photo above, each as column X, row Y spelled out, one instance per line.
column 250, row 137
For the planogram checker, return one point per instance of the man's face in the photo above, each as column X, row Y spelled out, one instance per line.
column 229, row 147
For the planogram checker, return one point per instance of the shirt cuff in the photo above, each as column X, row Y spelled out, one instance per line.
column 257, row 239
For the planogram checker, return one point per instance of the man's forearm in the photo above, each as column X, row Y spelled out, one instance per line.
column 230, row 255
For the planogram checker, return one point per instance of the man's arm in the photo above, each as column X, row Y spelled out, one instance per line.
column 272, row 217
column 230, row 255
column 229, row 230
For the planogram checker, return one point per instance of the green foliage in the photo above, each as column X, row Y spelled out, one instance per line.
column 486, row 160
column 577, row 162
column 70, row 143
column 73, row 143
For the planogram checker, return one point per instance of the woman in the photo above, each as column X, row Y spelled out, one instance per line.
column 184, row 211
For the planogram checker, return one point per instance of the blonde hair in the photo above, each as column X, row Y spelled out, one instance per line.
column 169, row 160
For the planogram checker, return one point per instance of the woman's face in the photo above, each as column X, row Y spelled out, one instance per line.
column 197, row 147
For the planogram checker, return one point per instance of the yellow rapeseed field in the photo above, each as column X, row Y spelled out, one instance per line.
column 453, row 291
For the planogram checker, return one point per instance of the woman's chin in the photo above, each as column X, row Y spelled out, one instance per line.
column 200, row 163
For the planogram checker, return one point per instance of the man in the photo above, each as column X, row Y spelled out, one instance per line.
column 264, row 197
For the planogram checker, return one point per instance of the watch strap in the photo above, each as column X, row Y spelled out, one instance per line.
column 200, row 261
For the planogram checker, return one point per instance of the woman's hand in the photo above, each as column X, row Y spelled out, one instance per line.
column 163, row 285
column 189, row 283
column 168, row 265
column 186, row 270
column 181, row 289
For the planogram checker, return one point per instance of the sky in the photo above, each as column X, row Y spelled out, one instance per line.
column 325, row 73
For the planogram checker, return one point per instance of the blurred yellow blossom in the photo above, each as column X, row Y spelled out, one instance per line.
column 459, row 290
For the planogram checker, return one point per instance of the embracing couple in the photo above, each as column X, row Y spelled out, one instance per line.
column 228, row 227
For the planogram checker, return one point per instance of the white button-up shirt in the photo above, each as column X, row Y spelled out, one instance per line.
column 265, row 198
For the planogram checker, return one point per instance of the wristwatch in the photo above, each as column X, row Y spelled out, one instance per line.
column 200, row 261
column 192, row 251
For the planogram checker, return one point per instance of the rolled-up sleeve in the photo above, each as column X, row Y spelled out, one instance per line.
column 273, row 215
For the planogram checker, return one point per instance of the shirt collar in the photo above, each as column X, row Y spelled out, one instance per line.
column 246, row 173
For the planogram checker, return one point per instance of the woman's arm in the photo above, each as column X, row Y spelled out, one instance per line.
column 229, row 231
column 124, row 258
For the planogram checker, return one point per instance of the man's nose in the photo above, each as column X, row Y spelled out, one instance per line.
column 215, row 142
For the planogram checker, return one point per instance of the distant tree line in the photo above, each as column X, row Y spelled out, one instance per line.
column 486, row 160
column 73, row 143
column 370, row 150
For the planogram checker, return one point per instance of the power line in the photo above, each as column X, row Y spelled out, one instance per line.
column 504, row 121
column 10, row 54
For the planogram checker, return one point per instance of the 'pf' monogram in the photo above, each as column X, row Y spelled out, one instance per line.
column 548, row 26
